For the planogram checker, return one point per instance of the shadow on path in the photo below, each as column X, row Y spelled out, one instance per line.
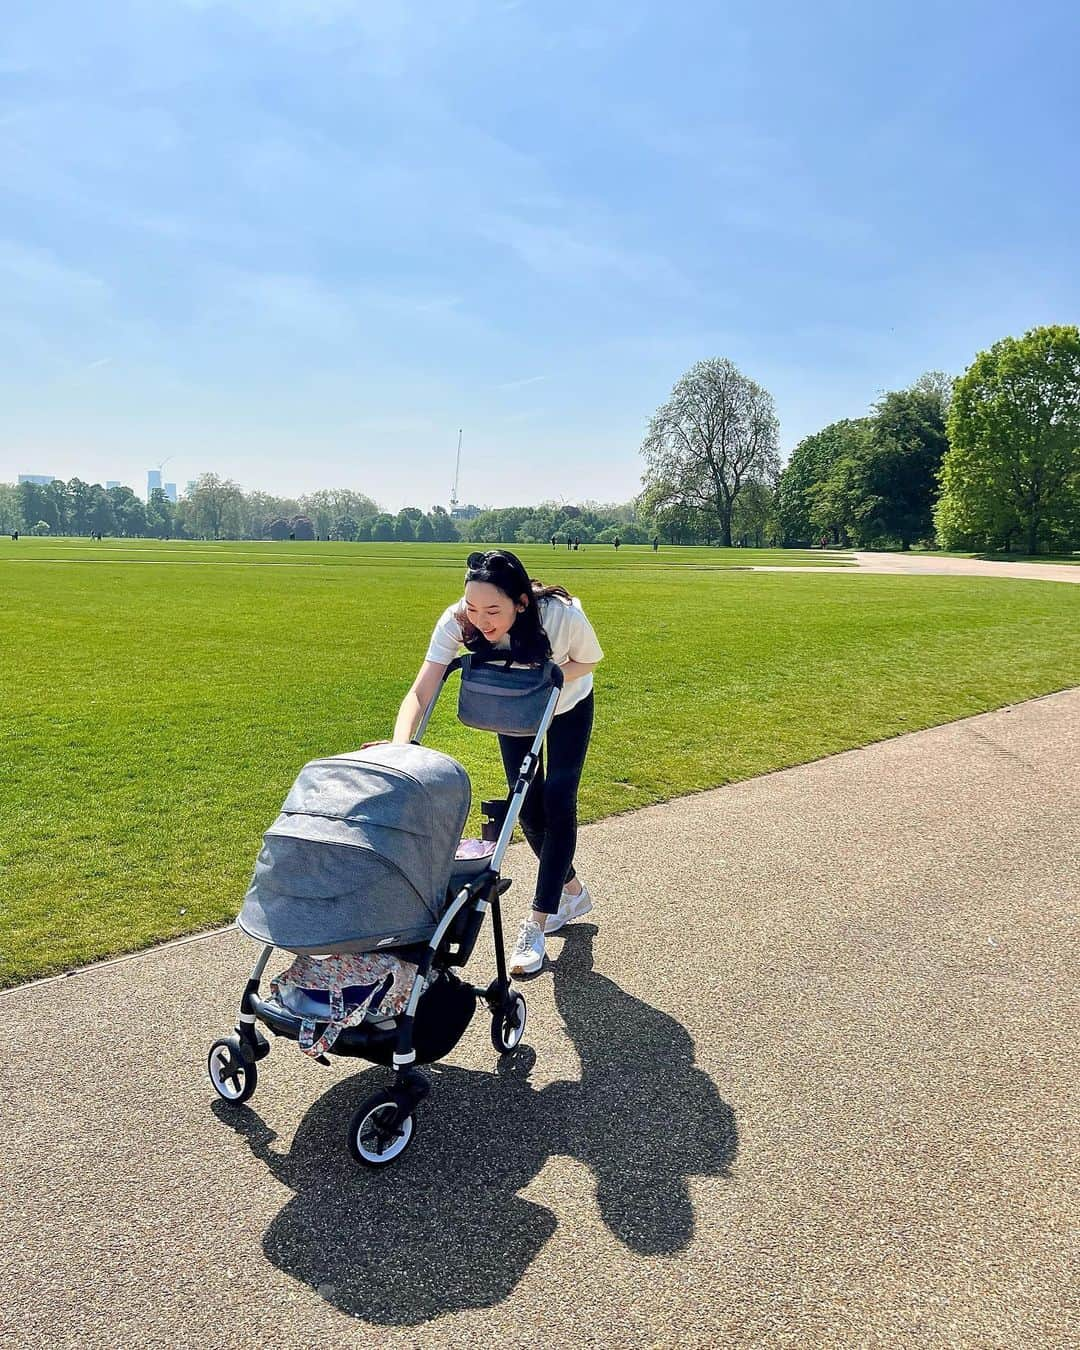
column 444, row 1228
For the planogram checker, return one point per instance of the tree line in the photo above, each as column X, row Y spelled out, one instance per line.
column 218, row 508
column 986, row 462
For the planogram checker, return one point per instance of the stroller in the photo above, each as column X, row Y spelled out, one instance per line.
column 366, row 857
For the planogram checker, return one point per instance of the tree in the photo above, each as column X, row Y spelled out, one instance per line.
column 42, row 527
column 214, row 506
column 344, row 528
column 278, row 529
column 329, row 504
column 805, row 507
column 258, row 510
column 837, row 504
column 102, row 517
column 80, row 498
column 425, row 531
column 10, row 515
column 754, row 519
column 404, row 529
column 34, row 506
column 534, row 530
column 159, row 514
column 382, row 528
column 1013, row 464
column 129, row 513
column 672, row 519
column 59, row 499
column 302, row 527
column 908, row 442
column 444, row 527
column 716, row 433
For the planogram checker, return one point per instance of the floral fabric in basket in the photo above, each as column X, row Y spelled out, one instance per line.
column 353, row 984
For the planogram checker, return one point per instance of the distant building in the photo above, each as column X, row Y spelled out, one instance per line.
column 41, row 479
column 153, row 480
column 190, row 489
column 170, row 491
column 465, row 512
column 112, row 482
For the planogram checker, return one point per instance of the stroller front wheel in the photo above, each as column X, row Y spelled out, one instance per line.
column 376, row 1134
column 508, row 1024
column 232, row 1078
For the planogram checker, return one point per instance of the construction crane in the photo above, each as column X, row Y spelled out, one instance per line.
column 457, row 475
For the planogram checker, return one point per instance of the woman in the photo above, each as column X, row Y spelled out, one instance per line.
column 504, row 609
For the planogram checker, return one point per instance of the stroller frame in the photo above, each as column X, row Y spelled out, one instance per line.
column 382, row 1127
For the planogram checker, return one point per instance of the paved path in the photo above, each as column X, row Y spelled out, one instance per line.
column 930, row 564
column 809, row 1080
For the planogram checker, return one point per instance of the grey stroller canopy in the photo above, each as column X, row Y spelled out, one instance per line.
column 362, row 852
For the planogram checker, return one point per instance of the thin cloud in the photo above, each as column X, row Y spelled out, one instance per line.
column 521, row 384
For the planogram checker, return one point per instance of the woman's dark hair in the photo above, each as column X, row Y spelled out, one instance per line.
column 529, row 644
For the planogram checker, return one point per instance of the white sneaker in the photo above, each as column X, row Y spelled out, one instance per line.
column 528, row 954
column 570, row 907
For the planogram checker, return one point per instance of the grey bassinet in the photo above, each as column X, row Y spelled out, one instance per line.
column 362, row 853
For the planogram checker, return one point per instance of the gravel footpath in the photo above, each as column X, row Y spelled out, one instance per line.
column 808, row 1080
column 932, row 564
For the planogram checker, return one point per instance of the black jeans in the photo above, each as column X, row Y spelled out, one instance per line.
column 549, row 812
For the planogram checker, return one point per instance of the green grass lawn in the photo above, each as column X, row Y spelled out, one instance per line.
column 158, row 699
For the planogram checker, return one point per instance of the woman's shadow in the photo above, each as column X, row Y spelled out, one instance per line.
column 444, row 1228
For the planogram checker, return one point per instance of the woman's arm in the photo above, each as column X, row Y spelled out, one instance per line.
column 574, row 670
column 413, row 705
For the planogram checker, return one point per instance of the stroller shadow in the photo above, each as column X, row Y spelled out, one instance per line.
column 445, row 1229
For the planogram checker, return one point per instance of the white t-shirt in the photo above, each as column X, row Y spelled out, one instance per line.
column 569, row 632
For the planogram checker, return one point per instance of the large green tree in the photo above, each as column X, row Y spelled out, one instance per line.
column 328, row 505
column 100, row 515
column 129, row 511
column 35, row 505
column 159, row 515
column 10, row 512
column 813, row 495
column 907, row 444
column 715, row 434
column 213, row 507
column 81, row 499
column 443, row 527
column 1013, row 466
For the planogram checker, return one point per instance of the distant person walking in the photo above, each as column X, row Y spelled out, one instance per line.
column 656, row 543
column 503, row 609
column 616, row 541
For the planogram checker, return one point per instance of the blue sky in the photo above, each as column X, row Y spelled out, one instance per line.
column 301, row 242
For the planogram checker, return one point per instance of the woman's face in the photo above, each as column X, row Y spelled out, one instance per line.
column 491, row 610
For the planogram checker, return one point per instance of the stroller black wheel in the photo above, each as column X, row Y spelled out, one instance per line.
column 508, row 1024
column 374, row 1138
column 232, row 1078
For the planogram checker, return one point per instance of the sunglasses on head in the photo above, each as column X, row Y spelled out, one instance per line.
column 478, row 562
